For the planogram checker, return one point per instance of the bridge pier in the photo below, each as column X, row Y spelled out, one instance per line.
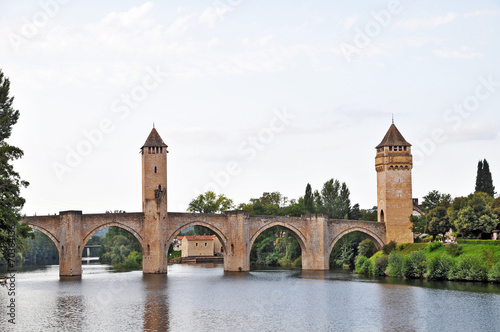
column 315, row 255
column 155, row 251
column 236, row 257
column 70, row 260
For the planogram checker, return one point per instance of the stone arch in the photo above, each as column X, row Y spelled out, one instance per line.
column 218, row 233
column 49, row 235
column 295, row 231
column 115, row 224
column 379, row 243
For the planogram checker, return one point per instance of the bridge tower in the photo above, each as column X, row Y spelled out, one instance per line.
column 154, row 203
column 393, row 164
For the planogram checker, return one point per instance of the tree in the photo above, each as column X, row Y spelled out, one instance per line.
column 484, row 181
column 209, row 202
column 309, row 199
column 473, row 215
column 420, row 224
column 11, row 201
column 334, row 199
column 355, row 213
column 438, row 221
column 434, row 198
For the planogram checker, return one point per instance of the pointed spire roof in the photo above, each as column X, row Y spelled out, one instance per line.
column 154, row 139
column 393, row 137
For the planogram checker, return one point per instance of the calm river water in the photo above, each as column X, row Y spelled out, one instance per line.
column 205, row 298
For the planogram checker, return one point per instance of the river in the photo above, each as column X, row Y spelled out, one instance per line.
column 205, row 298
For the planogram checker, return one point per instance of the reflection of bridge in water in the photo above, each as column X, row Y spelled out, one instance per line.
column 155, row 228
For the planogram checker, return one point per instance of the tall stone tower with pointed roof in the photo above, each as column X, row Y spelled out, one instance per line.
column 154, row 167
column 393, row 164
column 154, row 203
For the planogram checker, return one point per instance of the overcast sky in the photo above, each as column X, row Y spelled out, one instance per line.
column 250, row 96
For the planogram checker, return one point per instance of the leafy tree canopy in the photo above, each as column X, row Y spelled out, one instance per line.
column 11, row 201
column 473, row 216
column 209, row 202
column 435, row 198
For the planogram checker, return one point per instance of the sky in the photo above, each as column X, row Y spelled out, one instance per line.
column 250, row 96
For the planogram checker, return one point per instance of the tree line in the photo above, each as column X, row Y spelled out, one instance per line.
column 472, row 216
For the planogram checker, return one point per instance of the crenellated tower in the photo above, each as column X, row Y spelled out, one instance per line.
column 154, row 167
column 154, row 203
column 393, row 164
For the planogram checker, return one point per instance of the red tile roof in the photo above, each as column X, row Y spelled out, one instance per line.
column 199, row 237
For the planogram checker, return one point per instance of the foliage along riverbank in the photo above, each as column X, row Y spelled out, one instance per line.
column 435, row 261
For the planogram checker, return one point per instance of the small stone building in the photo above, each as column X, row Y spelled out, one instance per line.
column 200, row 245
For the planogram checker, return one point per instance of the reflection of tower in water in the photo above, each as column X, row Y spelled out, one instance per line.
column 156, row 316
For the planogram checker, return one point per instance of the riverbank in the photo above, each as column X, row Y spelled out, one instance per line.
column 436, row 261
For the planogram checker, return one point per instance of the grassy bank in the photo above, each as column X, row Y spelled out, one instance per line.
column 463, row 261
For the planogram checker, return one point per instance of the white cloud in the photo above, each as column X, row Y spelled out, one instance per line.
column 179, row 26
column 475, row 131
column 464, row 53
column 431, row 23
column 259, row 42
column 130, row 17
column 212, row 14
column 349, row 22
column 482, row 13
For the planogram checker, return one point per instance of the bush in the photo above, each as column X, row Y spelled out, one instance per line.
column 439, row 267
column 494, row 274
column 366, row 248
column 359, row 264
column 367, row 267
column 381, row 265
column 394, row 269
column 414, row 265
column 469, row 268
column 402, row 246
column 454, row 249
column 389, row 247
column 434, row 245
column 297, row 262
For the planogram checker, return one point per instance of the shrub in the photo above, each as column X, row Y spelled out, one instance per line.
column 402, row 246
column 366, row 248
column 494, row 274
column 367, row 267
column 439, row 267
column 434, row 245
column 389, row 247
column 359, row 264
column 298, row 262
column 381, row 265
column 454, row 249
column 394, row 269
column 469, row 268
column 414, row 265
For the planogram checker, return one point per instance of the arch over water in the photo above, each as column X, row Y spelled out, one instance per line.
column 48, row 234
column 295, row 231
column 115, row 224
column 379, row 243
column 218, row 232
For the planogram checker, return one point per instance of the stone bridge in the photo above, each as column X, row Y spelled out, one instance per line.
column 237, row 231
